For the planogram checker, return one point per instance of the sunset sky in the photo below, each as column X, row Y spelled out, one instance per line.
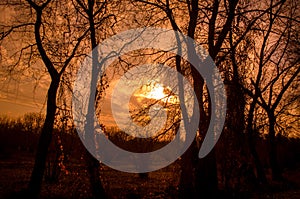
column 17, row 98
column 19, row 94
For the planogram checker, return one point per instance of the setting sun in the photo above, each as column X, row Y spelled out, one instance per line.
column 157, row 92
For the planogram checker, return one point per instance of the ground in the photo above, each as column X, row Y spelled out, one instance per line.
column 73, row 183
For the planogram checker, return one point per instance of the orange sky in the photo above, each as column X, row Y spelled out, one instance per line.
column 17, row 98
column 17, row 93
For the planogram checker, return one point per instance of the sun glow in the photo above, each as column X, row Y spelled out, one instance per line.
column 157, row 92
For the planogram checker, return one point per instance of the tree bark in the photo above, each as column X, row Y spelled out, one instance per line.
column 34, row 186
column 187, row 177
column 206, row 176
column 93, row 167
column 276, row 173
column 251, row 143
column 93, row 164
column 261, row 176
column 36, row 179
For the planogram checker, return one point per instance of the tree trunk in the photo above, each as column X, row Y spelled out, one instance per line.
column 206, row 168
column 251, row 144
column 93, row 164
column 37, row 174
column 261, row 176
column 93, row 168
column 206, row 176
column 276, row 173
column 186, row 183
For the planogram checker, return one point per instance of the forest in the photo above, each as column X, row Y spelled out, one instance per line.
column 150, row 99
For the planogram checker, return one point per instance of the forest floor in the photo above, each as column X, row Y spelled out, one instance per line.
column 73, row 182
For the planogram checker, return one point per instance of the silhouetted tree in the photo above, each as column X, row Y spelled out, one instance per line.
column 277, row 67
column 46, row 47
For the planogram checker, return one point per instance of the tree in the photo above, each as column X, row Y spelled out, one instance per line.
column 96, row 14
column 56, row 60
column 206, row 170
column 277, row 68
column 55, row 74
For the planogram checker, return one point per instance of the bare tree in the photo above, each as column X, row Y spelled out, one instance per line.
column 55, row 74
column 55, row 60
column 96, row 14
column 206, row 170
column 277, row 68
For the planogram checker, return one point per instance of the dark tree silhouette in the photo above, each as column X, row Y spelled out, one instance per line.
column 55, row 74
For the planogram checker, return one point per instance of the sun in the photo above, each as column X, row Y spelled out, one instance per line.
column 157, row 92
